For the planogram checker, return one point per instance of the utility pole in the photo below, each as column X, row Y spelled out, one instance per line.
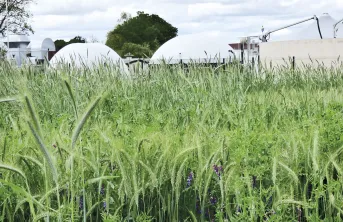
column 8, row 41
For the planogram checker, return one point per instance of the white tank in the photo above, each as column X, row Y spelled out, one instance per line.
column 199, row 48
column 88, row 55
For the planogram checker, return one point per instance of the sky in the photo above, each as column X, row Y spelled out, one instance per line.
column 65, row 19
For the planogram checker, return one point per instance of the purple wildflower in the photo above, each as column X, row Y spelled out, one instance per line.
column 238, row 210
column 197, row 206
column 81, row 202
column 102, row 191
column 218, row 170
column 213, row 200
column 104, row 204
column 190, row 179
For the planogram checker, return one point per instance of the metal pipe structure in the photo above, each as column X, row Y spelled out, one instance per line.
column 264, row 36
column 334, row 28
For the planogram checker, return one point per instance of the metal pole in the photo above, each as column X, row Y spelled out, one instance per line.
column 248, row 45
column 334, row 28
column 8, row 41
column 264, row 37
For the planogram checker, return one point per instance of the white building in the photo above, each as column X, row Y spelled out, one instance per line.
column 21, row 50
column 16, row 45
column 41, row 49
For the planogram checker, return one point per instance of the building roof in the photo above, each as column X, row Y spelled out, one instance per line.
column 79, row 55
column 16, row 38
column 195, row 47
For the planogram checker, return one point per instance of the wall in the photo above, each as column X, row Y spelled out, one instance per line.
column 325, row 51
column 18, row 55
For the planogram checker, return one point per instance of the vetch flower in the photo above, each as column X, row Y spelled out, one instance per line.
column 197, row 205
column 190, row 179
column 218, row 170
column 81, row 202
column 102, row 191
column 213, row 200
column 238, row 210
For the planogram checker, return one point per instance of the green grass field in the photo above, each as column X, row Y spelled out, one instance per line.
column 172, row 144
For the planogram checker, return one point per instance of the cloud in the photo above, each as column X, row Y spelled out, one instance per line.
column 68, row 18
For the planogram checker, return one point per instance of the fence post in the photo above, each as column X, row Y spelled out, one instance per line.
column 242, row 53
column 293, row 62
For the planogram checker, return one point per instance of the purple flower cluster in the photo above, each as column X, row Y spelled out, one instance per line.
column 102, row 191
column 218, row 170
column 213, row 200
column 104, row 204
column 238, row 210
column 190, row 179
column 197, row 206
column 81, row 203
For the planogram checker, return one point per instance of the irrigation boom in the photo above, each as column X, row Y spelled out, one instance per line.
column 334, row 28
column 265, row 36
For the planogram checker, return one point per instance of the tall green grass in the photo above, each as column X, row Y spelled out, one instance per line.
column 171, row 144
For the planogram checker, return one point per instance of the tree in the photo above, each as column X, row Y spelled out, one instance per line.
column 77, row 39
column 139, row 35
column 17, row 17
column 124, row 16
column 60, row 43
column 93, row 39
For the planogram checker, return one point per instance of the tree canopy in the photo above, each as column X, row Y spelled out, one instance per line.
column 141, row 35
column 60, row 43
column 17, row 17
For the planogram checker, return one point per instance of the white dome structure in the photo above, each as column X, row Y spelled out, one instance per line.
column 310, row 31
column 89, row 55
column 41, row 48
column 199, row 48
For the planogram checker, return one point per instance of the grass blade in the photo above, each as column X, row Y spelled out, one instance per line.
column 45, row 153
column 83, row 121
column 13, row 169
column 72, row 97
column 3, row 100
column 32, row 114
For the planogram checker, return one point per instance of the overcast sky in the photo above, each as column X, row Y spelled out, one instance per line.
column 64, row 19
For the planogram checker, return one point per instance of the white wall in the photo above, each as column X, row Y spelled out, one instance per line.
column 18, row 55
column 325, row 51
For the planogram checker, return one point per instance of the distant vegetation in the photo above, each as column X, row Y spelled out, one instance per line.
column 141, row 35
column 60, row 43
